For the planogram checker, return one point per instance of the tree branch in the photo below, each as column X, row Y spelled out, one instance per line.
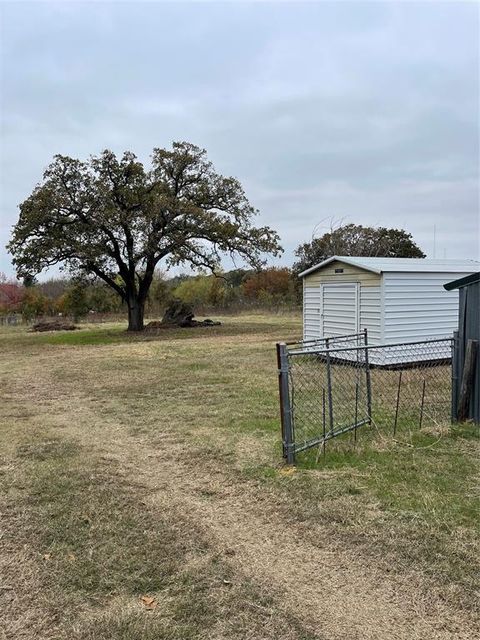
column 106, row 278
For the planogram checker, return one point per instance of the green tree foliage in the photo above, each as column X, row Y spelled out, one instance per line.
column 356, row 240
column 98, row 296
column 237, row 277
column 102, row 299
column 29, row 280
column 202, row 291
column 75, row 302
column 34, row 303
column 114, row 218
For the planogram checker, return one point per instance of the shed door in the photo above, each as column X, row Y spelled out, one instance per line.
column 339, row 310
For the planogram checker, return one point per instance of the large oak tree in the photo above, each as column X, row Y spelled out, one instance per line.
column 116, row 220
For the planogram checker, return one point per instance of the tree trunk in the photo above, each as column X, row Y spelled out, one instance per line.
column 136, row 310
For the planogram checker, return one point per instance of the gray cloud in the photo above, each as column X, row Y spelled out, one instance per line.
column 362, row 111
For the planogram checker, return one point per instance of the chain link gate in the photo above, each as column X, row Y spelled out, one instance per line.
column 332, row 386
column 308, row 376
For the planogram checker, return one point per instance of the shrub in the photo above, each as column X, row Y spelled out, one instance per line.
column 202, row 291
column 74, row 302
column 34, row 303
column 270, row 287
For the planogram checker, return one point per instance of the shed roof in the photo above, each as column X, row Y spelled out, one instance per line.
column 382, row 265
column 462, row 282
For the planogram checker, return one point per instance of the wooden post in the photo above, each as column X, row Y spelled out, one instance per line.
column 467, row 380
column 455, row 361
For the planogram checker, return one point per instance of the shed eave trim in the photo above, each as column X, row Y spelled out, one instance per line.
column 352, row 262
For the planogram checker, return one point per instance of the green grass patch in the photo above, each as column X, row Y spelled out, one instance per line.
column 429, row 476
column 82, row 336
column 414, row 503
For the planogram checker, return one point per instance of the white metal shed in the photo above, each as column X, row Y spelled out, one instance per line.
column 395, row 299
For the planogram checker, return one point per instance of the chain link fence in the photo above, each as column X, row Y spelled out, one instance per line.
column 337, row 385
column 10, row 320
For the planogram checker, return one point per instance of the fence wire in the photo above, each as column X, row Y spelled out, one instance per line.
column 338, row 386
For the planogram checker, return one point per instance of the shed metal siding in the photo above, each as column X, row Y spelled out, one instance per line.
column 369, row 307
column 384, row 265
column 371, row 313
column 311, row 312
column 469, row 329
column 416, row 306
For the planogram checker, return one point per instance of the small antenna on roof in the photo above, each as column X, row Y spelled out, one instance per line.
column 434, row 241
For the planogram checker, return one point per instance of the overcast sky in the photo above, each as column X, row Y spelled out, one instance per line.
column 365, row 112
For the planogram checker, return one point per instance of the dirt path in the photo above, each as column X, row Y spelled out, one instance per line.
column 333, row 591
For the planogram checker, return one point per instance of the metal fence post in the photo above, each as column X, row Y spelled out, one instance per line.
column 280, row 395
column 399, row 388
column 369, row 381
column 422, row 404
column 323, row 420
column 329, row 385
column 356, row 411
column 285, row 405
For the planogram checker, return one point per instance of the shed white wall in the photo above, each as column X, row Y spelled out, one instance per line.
column 417, row 307
column 311, row 311
column 371, row 313
column 369, row 310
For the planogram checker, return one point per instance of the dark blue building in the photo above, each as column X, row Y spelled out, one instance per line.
column 468, row 329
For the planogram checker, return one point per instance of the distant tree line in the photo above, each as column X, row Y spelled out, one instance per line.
column 271, row 288
column 235, row 290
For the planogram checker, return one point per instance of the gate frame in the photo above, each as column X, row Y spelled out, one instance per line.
column 286, row 405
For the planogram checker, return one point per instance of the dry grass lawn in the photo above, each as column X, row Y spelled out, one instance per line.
column 143, row 497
